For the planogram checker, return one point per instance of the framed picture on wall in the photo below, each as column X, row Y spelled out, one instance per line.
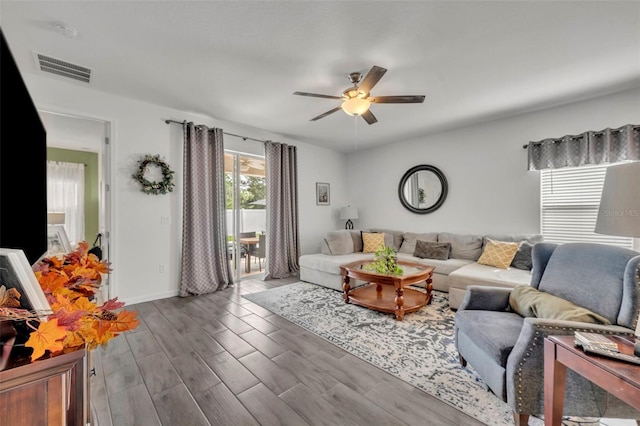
column 58, row 242
column 322, row 194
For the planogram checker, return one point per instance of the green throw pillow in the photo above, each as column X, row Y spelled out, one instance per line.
column 530, row 302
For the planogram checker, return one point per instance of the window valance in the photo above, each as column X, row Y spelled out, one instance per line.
column 604, row 146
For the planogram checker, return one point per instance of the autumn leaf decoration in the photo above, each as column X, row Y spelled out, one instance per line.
column 70, row 285
column 48, row 336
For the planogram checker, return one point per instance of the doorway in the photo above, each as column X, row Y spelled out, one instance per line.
column 246, row 194
column 83, row 142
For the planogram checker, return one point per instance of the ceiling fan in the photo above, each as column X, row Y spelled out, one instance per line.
column 356, row 100
column 247, row 164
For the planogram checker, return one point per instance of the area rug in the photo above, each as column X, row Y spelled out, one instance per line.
column 419, row 350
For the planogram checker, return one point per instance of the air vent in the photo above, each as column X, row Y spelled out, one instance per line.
column 63, row 68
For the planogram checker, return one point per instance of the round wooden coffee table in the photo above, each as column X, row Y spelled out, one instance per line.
column 386, row 292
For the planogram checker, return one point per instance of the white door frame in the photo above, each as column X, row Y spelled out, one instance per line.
column 105, row 177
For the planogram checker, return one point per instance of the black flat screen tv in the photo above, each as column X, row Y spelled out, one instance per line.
column 23, row 164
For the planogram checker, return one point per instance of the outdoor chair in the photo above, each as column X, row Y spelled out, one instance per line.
column 261, row 251
column 245, row 247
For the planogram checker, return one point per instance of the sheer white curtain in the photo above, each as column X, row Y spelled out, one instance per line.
column 65, row 193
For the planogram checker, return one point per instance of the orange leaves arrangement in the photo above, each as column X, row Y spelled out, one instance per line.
column 48, row 336
column 70, row 284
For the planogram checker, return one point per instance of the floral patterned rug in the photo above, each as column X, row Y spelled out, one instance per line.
column 419, row 350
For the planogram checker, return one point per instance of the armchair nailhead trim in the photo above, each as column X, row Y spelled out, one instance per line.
column 635, row 317
column 565, row 330
column 547, row 331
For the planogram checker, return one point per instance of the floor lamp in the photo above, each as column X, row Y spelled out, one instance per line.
column 619, row 212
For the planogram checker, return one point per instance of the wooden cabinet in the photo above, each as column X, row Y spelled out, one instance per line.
column 49, row 392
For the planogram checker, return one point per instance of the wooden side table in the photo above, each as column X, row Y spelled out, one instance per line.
column 50, row 392
column 619, row 378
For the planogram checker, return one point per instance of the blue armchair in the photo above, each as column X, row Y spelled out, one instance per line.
column 506, row 349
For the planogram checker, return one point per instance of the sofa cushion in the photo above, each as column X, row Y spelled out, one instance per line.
column 522, row 259
column 515, row 238
column 476, row 274
column 443, row 267
column 530, row 302
column 372, row 241
column 410, row 238
column 498, row 253
column 463, row 246
column 589, row 267
column 394, row 237
column 496, row 333
column 356, row 236
column 431, row 250
column 324, row 247
column 331, row 264
column 340, row 242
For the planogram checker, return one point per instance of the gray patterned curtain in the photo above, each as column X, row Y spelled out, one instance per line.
column 205, row 261
column 605, row 146
column 283, row 244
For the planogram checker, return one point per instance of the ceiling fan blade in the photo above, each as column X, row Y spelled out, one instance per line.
column 315, row 95
column 371, row 79
column 410, row 99
column 369, row 117
column 326, row 113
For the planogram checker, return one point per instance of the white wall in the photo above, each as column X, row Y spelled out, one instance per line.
column 140, row 242
column 490, row 189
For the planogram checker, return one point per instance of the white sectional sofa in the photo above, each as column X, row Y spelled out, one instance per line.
column 452, row 275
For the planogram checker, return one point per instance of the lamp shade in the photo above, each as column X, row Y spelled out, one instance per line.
column 55, row 218
column 356, row 106
column 348, row 213
column 619, row 212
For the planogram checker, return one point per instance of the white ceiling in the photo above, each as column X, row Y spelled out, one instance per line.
column 241, row 61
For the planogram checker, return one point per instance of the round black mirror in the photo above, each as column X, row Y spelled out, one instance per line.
column 423, row 189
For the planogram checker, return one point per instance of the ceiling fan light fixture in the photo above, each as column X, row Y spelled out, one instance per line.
column 356, row 100
column 356, row 106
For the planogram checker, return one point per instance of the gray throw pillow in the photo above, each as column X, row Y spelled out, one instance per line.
column 409, row 241
column 522, row 259
column 431, row 250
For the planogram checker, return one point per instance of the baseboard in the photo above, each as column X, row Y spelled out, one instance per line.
column 150, row 297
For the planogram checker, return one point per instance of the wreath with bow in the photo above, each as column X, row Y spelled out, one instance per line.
column 154, row 187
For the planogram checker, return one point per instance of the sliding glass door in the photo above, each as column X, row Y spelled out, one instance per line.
column 246, row 212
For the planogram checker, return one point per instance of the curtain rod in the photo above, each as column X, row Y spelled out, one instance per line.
column 226, row 133
column 600, row 133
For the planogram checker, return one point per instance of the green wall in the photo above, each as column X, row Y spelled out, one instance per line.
column 91, row 185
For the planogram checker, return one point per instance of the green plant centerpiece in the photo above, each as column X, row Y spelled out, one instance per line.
column 385, row 261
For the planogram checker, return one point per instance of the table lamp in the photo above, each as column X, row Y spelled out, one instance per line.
column 348, row 213
column 55, row 218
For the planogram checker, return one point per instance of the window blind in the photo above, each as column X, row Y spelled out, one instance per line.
column 569, row 205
